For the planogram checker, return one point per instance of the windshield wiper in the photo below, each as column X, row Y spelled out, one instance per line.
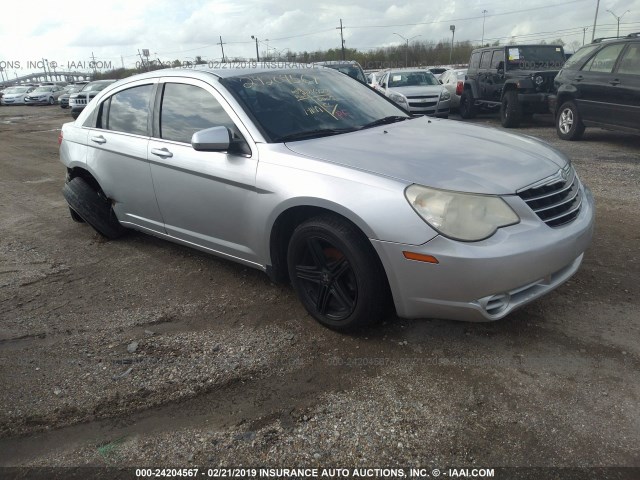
column 385, row 121
column 321, row 132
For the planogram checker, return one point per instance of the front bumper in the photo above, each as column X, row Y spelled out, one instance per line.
column 486, row 280
column 30, row 101
column 534, row 98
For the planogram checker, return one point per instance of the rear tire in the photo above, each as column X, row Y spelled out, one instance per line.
column 569, row 124
column 467, row 107
column 93, row 207
column 336, row 273
column 511, row 110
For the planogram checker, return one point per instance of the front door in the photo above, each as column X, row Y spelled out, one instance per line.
column 203, row 196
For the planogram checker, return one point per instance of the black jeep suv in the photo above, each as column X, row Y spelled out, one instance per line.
column 518, row 79
column 599, row 86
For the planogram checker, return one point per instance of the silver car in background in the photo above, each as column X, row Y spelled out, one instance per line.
column 453, row 82
column 319, row 181
column 16, row 95
column 416, row 90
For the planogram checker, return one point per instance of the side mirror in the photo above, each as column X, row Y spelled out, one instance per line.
column 215, row 139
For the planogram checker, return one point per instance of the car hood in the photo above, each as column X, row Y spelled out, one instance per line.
column 442, row 154
column 418, row 90
column 14, row 95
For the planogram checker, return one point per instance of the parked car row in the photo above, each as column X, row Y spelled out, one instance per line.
column 599, row 85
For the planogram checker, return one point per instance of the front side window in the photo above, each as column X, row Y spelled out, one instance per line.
column 187, row 109
column 128, row 111
column 605, row 59
column 498, row 57
column 579, row 57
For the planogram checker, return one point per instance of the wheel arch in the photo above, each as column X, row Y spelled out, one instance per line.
column 286, row 222
column 86, row 175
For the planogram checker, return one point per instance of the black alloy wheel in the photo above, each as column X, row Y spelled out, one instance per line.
column 336, row 273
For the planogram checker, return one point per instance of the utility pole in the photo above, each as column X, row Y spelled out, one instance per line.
column 484, row 15
column 122, row 61
column 341, row 38
column 584, row 31
column 257, row 54
column 222, row 48
column 595, row 19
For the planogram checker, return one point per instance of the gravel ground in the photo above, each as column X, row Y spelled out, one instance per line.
column 140, row 352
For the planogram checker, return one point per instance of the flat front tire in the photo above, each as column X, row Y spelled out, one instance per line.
column 337, row 274
column 93, row 207
column 569, row 124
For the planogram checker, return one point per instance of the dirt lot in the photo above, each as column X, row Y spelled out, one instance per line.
column 141, row 352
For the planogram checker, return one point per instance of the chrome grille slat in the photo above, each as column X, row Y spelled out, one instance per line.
column 573, row 210
column 557, row 201
column 559, row 204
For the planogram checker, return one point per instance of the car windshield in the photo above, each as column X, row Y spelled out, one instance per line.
column 412, row 79
column 16, row 89
column 535, row 58
column 296, row 104
column 43, row 89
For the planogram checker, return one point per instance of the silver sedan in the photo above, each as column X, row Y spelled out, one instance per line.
column 319, row 181
column 453, row 81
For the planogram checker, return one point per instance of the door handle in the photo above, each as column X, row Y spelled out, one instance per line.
column 162, row 152
column 615, row 81
column 98, row 139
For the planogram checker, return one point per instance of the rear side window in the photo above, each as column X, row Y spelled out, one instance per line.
column 630, row 61
column 605, row 59
column 187, row 109
column 474, row 63
column 486, row 59
column 127, row 111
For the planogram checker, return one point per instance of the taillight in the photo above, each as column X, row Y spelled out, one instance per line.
column 459, row 87
column 60, row 138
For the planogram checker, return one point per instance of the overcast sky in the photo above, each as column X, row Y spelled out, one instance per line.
column 113, row 30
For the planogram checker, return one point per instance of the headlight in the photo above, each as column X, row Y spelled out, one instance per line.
column 445, row 95
column 400, row 99
column 461, row 216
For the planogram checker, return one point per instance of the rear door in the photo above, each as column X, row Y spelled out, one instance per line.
column 627, row 81
column 204, row 197
column 117, row 154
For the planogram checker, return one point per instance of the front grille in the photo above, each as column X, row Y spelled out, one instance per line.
column 557, row 199
column 422, row 104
